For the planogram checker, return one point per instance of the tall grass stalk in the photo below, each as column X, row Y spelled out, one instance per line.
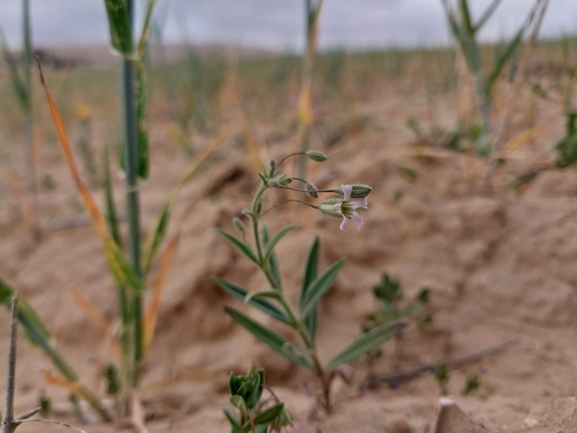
column 465, row 31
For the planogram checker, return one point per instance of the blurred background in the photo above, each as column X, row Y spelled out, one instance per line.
column 278, row 24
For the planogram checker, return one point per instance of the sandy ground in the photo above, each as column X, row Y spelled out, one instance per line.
column 500, row 263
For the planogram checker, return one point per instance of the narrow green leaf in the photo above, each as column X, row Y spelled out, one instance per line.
column 309, row 275
column 155, row 238
column 268, row 337
column 486, row 15
column 144, row 35
column 232, row 418
column 365, row 343
column 141, row 120
column 270, row 246
column 17, row 82
column 504, row 58
column 121, row 268
column 120, row 27
column 272, row 261
column 268, row 414
column 319, row 287
column 273, row 294
column 261, row 304
column 111, row 215
column 466, row 17
column 242, row 247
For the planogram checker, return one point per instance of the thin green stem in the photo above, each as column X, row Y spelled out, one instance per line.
column 132, row 201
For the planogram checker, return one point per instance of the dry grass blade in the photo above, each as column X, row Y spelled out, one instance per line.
column 138, row 415
column 89, row 202
column 123, row 271
column 152, row 311
column 72, row 386
column 526, row 137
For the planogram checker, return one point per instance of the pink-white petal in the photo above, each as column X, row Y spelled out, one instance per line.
column 337, row 207
column 358, row 220
column 344, row 223
column 360, row 202
column 346, row 189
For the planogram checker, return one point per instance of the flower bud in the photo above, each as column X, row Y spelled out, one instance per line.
column 272, row 164
column 328, row 207
column 359, row 190
column 284, row 180
column 238, row 224
column 311, row 190
column 273, row 183
column 315, row 155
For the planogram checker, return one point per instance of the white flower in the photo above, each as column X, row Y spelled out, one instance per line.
column 345, row 207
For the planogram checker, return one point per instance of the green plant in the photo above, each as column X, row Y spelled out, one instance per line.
column 465, row 31
column 393, row 306
column 254, row 415
column 273, row 300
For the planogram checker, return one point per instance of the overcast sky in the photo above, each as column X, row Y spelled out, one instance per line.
column 278, row 24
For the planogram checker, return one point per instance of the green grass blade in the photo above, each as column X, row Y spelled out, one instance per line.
column 120, row 27
column 144, row 35
column 17, row 82
column 466, row 17
column 261, row 304
column 275, row 341
column 309, row 275
column 242, row 247
column 270, row 246
column 486, row 15
column 319, row 287
column 155, row 238
column 143, row 163
column 365, row 343
column 504, row 58
column 111, row 215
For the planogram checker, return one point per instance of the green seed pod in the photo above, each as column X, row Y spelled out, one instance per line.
column 315, row 155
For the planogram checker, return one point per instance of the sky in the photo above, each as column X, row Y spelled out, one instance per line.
column 278, row 24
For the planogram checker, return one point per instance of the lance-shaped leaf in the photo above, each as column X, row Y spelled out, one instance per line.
column 120, row 27
column 319, row 287
column 268, row 337
column 232, row 418
column 242, row 247
column 270, row 246
column 155, row 238
column 309, row 275
column 268, row 414
column 273, row 294
column 261, row 304
column 17, row 82
column 488, row 12
column 272, row 260
column 365, row 343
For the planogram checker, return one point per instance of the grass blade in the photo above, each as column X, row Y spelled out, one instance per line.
column 17, row 82
column 275, row 341
column 365, row 343
column 111, row 215
column 319, row 287
column 242, row 247
column 122, row 269
column 155, row 239
column 143, row 163
column 486, row 15
column 152, row 311
column 261, row 304
column 120, row 27
column 309, row 275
